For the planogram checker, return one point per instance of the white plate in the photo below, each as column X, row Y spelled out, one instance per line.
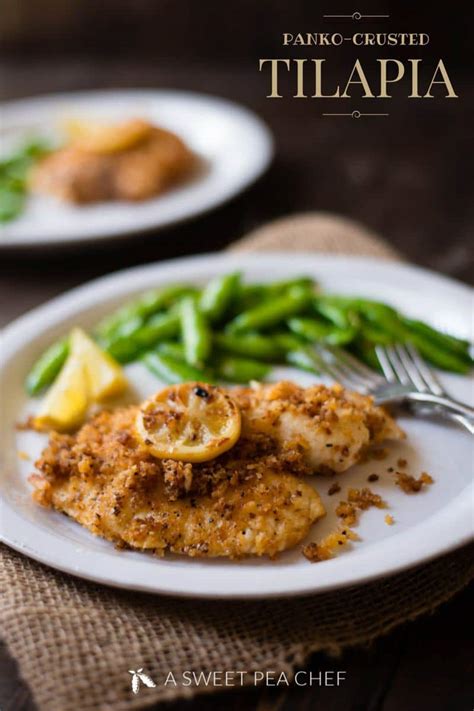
column 235, row 147
column 426, row 524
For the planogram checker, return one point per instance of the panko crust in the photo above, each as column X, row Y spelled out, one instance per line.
column 104, row 478
column 250, row 500
column 334, row 427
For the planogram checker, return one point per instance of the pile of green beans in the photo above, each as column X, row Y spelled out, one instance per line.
column 232, row 331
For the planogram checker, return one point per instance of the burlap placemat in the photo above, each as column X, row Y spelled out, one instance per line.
column 75, row 641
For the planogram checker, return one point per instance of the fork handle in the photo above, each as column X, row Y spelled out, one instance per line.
column 429, row 410
column 448, row 403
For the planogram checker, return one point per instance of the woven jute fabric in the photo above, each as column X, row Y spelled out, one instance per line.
column 75, row 641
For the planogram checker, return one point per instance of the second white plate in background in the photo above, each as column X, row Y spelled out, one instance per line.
column 234, row 145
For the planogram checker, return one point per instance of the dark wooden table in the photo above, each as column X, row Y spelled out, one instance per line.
column 409, row 177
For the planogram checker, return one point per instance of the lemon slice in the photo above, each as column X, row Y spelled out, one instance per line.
column 65, row 405
column 99, row 137
column 105, row 377
column 190, row 422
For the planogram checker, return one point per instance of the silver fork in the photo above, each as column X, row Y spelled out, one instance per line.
column 349, row 371
column 404, row 364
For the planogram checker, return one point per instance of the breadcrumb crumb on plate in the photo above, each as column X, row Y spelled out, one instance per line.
column 325, row 549
column 358, row 500
column 409, row 484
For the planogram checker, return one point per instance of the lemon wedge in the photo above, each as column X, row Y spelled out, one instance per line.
column 101, row 137
column 105, row 377
column 190, row 422
column 65, row 405
column 89, row 375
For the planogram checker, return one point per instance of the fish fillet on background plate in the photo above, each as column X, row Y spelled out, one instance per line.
column 150, row 160
column 250, row 500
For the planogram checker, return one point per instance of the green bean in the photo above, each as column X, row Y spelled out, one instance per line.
column 218, row 296
column 359, row 303
column 342, row 316
column 237, row 370
column 365, row 350
column 240, row 370
column 252, row 295
column 443, row 340
column 352, row 305
column 385, row 319
column 252, row 345
column 158, row 299
column 125, row 330
column 272, row 312
column 375, row 335
column 439, row 357
column 47, row 367
column 124, row 350
column 314, row 331
column 173, row 371
column 158, row 328
column 276, row 287
column 374, row 310
column 388, row 321
column 173, row 349
column 195, row 333
column 288, row 341
column 146, row 305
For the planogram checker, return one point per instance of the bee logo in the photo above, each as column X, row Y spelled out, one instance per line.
column 139, row 677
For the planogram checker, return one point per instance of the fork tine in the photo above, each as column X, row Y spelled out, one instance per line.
column 324, row 366
column 345, row 373
column 348, row 374
column 388, row 371
column 330, row 367
column 397, row 365
column 335, row 372
column 425, row 371
column 353, row 362
column 410, row 367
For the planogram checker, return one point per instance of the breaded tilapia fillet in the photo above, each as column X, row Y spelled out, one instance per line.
column 138, row 173
column 250, row 500
column 332, row 427
column 105, row 479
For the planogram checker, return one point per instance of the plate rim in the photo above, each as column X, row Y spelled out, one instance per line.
column 455, row 517
column 260, row 126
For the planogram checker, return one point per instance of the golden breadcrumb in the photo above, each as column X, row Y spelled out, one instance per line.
column 358, row 500
column 409, row 484
column 389, row 520
column 317, row 552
